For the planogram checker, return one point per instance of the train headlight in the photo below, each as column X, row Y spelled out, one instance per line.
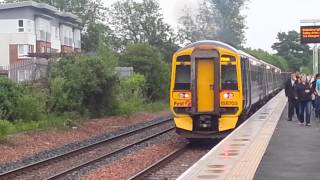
column 184, row 95
column 228, row 95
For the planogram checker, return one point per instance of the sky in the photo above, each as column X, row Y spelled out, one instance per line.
column 265, row 18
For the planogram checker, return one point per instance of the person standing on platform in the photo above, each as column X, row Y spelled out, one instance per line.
column 313, row 87
column 316, row 89
column 290, row 94
column 304, row 92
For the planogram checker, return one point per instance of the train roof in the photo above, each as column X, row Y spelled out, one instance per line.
column 210, row 42
column 252, row 58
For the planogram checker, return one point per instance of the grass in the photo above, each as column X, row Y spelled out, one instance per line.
column 50, row 122
column 156, row 106
column 70, row 120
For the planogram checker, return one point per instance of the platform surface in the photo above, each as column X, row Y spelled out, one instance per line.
column 238, row 156
column 293, row 153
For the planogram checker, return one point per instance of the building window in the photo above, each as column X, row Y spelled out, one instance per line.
column 24, row 75
column 56, row 33
column 42, row 35
column 20, row 23
column 24, row 50
column 20, row 26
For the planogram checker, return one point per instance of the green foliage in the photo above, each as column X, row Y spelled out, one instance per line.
column 269, row 58
column 290, row 48
column 17, row 101
column 48, row 122
column 83, row 84
column 156, row 106
column 147, row 61
column 216, row 20
column 30, row 107
column 142, row 22
column 130, row 96
column 9, row 95
column 5, row 128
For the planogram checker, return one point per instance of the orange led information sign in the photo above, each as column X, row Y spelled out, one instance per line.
column 310, row 34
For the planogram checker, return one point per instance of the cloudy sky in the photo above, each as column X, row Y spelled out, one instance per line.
column 265, row 18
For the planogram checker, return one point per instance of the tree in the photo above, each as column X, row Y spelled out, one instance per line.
column 83, row 84
column 217, row 20
column 141, row 22
column 92, row 15
column 273, row 59
column 200, row 27
column 147, row 60
column 289, row 47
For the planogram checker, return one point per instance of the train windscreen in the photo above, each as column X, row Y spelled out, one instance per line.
column 229, row 77
column 183, row 78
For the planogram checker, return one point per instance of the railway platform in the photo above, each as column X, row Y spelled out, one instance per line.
column 266, row 146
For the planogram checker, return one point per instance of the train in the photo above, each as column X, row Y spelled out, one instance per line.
column 215, row 86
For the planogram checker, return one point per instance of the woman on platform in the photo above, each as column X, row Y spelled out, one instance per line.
column 304, row 92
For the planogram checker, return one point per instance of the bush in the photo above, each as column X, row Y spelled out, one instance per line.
column 148, row 61
column 5, row 128
column 17, row 101
column 31, row 105
column 83, row 84
column 130, row 96
column 9, row 94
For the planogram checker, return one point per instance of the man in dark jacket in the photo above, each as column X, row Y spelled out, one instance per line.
column 291, row 95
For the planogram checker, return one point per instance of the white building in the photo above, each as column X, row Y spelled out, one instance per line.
column 31, row 27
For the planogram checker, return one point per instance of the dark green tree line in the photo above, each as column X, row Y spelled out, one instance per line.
column 289, row 47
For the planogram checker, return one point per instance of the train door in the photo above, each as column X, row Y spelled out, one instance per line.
column 206, row 82
column 246, row 83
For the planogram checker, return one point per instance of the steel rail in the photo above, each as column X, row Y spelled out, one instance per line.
column 19, row 170
column 85, row 164
column 159, row 164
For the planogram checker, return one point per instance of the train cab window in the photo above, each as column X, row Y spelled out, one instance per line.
column 183, row 79
column 184, row 58
column 229, row 77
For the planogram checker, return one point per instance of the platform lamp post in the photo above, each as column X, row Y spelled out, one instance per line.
column 315, row 47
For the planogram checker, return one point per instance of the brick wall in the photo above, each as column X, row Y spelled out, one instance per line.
column 66, row 49
column 42, row 44
column 13, row 54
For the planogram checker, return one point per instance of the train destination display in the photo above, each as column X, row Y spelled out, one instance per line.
column 310, row 34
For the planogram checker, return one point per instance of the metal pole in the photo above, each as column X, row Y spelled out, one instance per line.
column 316, row 60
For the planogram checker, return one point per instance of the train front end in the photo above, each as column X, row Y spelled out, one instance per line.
column 206, row 90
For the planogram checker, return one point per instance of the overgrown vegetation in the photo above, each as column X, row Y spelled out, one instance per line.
column 273, row 59
column 86, row 86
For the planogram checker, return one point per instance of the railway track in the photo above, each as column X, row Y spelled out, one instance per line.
column 61, row 165
column 174, row 164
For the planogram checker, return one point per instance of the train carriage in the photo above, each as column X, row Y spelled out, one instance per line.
column 213, row 85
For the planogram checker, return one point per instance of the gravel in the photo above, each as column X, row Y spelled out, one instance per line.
column 50, row 153
column 143, row 156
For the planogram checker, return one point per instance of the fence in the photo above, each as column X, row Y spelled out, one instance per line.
column 27, row 70
column 36, row 69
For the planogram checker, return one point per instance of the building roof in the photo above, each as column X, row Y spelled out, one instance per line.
column 41, row 6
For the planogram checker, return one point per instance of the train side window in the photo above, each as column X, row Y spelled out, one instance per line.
column 229, row 77
column 183, row 78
